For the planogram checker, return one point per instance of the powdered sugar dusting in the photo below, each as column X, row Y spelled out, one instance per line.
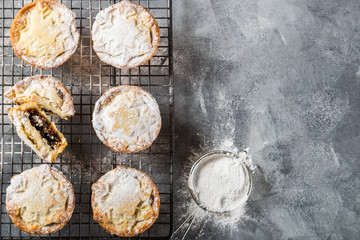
column 125, row 35
column 40, row 196
column 127, row 118
column 48, row 92
column 227, row 221
column 125, row 201
column 221, row 182
column 125, row 194
column 62, row 28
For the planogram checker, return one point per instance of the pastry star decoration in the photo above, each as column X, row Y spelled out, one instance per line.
column 41, row 197
column 40, row 34
column 125, row 118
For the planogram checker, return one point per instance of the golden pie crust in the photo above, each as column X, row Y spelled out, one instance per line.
column 37, row 131
column 125, row 201
column 127, row 119
column 40, row 200
column 44, row 34
column 48, row 92
column 125, row 35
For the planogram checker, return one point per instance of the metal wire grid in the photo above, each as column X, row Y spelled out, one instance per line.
column 85, row 159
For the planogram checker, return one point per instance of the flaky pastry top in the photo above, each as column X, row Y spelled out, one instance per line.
column 48, row 92
column 125, row 35
column 127, row 118
column 40, row 200
column 125, row 201
column 44, row 33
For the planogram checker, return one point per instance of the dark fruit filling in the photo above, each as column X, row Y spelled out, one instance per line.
column 151, row 201
column 44, row 127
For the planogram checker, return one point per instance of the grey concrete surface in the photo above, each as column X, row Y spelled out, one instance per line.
column 281, row 77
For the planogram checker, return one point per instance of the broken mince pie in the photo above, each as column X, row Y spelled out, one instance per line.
column 37, row 131
column 48, row 92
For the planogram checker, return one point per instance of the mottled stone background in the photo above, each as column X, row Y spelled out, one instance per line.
column 281, row 77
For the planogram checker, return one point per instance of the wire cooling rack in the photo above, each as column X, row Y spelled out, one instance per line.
column 85, row 159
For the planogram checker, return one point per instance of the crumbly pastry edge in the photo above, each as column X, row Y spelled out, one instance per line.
column 18, row 18
column 155, row 31
column 50, row 157
column 109, row 228
column 71, row 205
column 112, row 92
column 69, row 103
